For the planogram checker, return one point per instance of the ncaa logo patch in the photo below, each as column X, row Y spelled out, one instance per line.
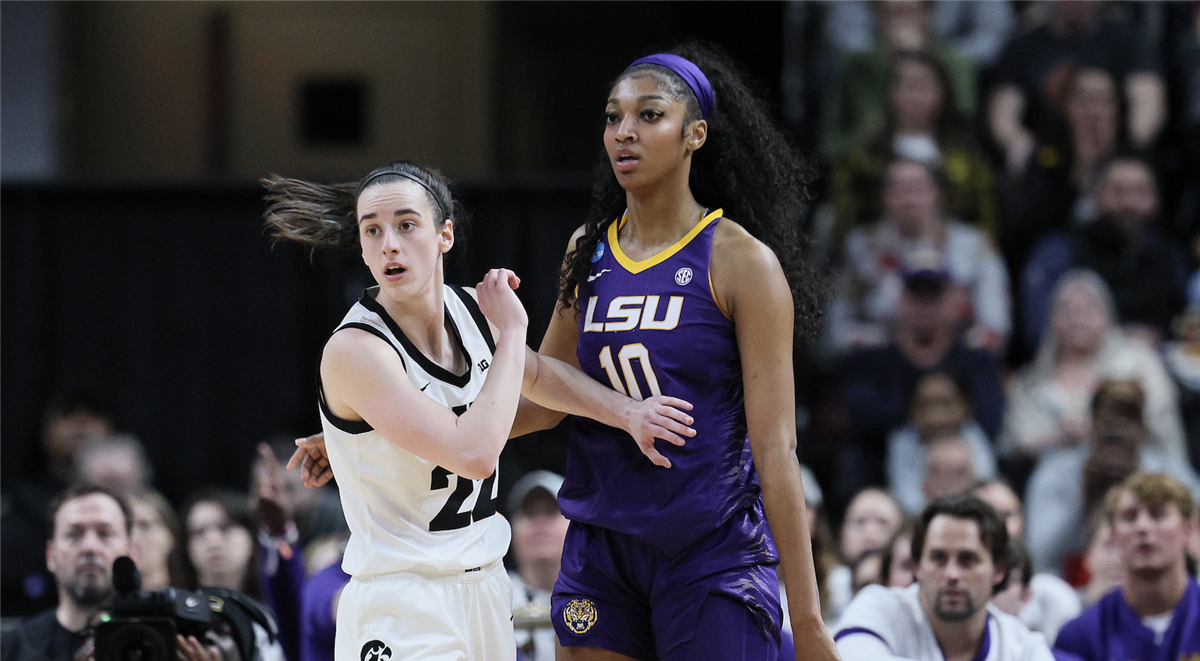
column 683, row 276
column 598, row 253
column 580, row 615
column 375, row 650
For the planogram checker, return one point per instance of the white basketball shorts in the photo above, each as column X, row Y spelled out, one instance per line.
column 406, row 616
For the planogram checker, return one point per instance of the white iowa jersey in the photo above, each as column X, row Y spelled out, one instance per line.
column 406, row 513
column 885, row 624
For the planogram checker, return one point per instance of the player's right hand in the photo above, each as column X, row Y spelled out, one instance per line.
column 659, row 417
column 498, row 301
column 311, row 459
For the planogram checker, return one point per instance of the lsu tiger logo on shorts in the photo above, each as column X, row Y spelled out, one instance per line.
column 580, row 615
column 375, row 650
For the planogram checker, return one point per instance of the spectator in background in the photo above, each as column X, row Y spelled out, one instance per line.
column 317, row 512
column 90, row 530
column 1105, row 571
column 915, row 240
column 897, row 561
column 157, row 540
column 1057, row 188
column 1049, row 602
column 116, row 462
column 278, row 540
column 855, row 110
column 72, row 416
column 1014, row 598
column 1021, row 108
column 1156, row 613
column 867, row 571
column 1050, row 398
column 221, row 541
column 922, row 123
column 318, row 612
column 871, row 518
column 1181, row 356
column 1068, row 485
column 948, row 468
column 539, row 531
column 938, row 407
column 876, row 383
column 977, row 30
column 1143, row 268
column 961, row 547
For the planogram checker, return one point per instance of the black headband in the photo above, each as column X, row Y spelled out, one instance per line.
column 436, row 200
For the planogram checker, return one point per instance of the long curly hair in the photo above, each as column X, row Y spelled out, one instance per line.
column 324, row 215
column 747, row 166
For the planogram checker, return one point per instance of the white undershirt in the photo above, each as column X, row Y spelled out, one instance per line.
column 1159, row 625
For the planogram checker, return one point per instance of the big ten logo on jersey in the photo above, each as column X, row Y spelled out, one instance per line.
column 626, row 313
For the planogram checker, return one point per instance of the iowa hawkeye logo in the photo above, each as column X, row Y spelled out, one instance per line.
column 375, row 650
column 580, row 615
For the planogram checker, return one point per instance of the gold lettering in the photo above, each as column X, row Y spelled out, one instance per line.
column 674, row 308
column 588, row 325
column 617, row 310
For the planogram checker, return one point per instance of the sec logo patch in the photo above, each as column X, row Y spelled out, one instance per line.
column 683, row 276
column 580, row 615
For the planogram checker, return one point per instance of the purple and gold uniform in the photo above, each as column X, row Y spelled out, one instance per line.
column 648, row 545
column 1111, row 631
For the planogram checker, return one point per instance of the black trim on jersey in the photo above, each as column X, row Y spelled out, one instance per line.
column 481, row 321
column 348, row 426
column 352, row 426
column 436, row 371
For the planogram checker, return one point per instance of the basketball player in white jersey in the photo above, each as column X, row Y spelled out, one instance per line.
column 419, row 390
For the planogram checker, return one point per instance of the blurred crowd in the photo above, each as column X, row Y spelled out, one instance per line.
column 1011, row 214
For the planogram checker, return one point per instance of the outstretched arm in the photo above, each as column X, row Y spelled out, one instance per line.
column 752, row 288
column 364, row 380
column 555, row 385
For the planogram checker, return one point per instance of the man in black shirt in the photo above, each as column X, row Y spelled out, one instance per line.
column 91, row 529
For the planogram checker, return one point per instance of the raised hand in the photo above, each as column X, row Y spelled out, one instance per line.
column 498, row 300
column 312, row 461
column 659, row 417
column 269, row 499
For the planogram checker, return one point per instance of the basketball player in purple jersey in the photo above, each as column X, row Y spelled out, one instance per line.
column 688, row 280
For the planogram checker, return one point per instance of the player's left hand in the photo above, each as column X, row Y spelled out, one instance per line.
column 659, row 417
column 311, row 459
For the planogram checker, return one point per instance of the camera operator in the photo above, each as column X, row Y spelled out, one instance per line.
column 90, row 529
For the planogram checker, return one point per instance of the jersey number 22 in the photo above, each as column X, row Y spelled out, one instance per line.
column 449, row 517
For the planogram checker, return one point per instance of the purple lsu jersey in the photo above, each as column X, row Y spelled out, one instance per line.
column 654, row 328
column 1112, row 631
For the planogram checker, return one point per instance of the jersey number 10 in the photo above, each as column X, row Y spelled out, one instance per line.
column 627, row 354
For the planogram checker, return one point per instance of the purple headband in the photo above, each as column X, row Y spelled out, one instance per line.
column 689, row 72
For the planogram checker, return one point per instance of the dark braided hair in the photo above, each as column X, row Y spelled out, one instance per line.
column 747, row 166
column 325, row 215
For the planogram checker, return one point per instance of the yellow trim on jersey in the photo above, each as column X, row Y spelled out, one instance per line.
column 638, row 267
column 713, row 291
